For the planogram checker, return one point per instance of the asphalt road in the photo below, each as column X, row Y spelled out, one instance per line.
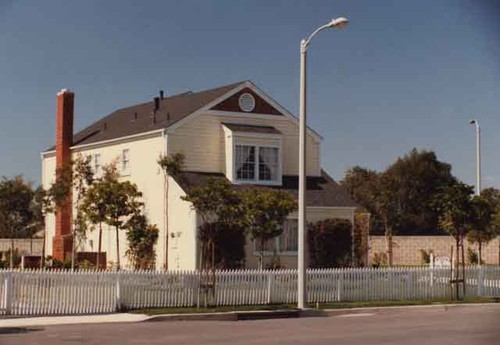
column 471, row 325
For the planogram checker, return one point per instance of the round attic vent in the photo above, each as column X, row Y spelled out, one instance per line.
column 246, row 102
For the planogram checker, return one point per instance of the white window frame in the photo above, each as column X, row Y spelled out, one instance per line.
column 125, row 159
column 256, row 252
column 96, row 164
column 256, row 180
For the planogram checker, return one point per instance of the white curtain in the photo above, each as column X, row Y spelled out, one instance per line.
column 245, row 163
column 268, row 159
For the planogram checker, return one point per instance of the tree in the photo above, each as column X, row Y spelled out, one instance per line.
column 388, row 206
column 330, row 243
column 454, row 205
column 172, row 166
column 363, row 185
column 482, row 229
column 265, row 211
column 83, row 177
column 122, row 202
column 419, row 176
column 42, row 205
column 218, row 205
column 141, row 237
column 17, row 217
column 94, row 206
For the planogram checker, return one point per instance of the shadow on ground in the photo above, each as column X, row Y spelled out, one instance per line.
column 18, row 330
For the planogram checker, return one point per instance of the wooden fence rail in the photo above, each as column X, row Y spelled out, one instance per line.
column 92, row 292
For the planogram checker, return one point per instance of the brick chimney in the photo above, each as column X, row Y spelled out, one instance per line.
column 62, row 241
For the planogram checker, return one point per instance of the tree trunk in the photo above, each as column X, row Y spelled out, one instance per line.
column 99, row 243
column 117, row 249
column 73, row 249
column 11, row 259
column 261, row 256
column 42, row 261
column 480, row 251
column 388, row 236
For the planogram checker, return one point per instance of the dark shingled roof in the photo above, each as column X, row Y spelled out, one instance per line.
column 321, row 190
column 251, row 128
column 139, row 118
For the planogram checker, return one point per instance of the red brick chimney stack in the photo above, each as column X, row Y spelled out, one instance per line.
column 63, row 241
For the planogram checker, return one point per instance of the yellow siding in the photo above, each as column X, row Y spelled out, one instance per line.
column 202, row 142
column 144, row 172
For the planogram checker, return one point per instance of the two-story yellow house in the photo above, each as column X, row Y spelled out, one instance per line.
column 234, row 132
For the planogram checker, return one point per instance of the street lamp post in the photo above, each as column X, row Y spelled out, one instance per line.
column 338, row 23
column 478, row 156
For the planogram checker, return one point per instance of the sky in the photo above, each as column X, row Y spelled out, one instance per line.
column 403, row 74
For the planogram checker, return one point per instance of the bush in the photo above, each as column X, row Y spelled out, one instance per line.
column 425, row 257
column 229, row 245
column 473, row 257
column 330, row 243
column 380, row 259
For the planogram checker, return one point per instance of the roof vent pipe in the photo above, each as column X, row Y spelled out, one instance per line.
column 157, row 104
column 161, row 94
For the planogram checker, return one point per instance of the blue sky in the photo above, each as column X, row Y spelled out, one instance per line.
column 402, row 75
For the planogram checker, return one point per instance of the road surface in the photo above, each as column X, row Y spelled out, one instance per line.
column 470, row 325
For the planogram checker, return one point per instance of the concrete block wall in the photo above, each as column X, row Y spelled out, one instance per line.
column 406, row 249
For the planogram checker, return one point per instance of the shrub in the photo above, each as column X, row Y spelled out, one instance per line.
column 379, row 259
column 330, row 243
column 472, row 256
column 425, row 257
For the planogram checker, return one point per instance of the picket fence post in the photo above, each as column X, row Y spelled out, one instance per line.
column 480, row 281
column 8, row 293
column 270, row 278
column 118, row 293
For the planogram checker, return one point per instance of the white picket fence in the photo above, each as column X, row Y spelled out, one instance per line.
column 90, row 292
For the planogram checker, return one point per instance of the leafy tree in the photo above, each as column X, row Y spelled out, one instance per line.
column 141, row 237
column 42, row 205
column 482, row 229
column 17, row 217
column 401, row 197
column 363, row 186
column 172, row 166
column 454, row 204
column 265, row 211
column 388, row 206
column 418, row 177
column 219, row 206
column 122, row 202
column 82, row 180
column 492, row 196
column 330, row 243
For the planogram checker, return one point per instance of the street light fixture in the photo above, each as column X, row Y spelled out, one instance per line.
column 337, row 23
column 478, row 155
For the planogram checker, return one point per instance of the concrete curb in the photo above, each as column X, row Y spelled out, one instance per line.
column 228, row 316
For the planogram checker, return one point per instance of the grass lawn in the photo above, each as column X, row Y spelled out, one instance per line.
column 340, row 305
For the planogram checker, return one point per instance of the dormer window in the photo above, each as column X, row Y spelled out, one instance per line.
column 253, row 154
column 256, row 163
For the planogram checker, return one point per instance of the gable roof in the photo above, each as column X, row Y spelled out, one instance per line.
column 321, row 191
column 141, row 118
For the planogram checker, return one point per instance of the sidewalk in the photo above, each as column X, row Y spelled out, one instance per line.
column 69, row 320
column 222, row 316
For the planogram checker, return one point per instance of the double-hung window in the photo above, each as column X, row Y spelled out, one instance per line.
column 286, row 243
column 257, row 163
column 97, row 164
column 125, row 162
